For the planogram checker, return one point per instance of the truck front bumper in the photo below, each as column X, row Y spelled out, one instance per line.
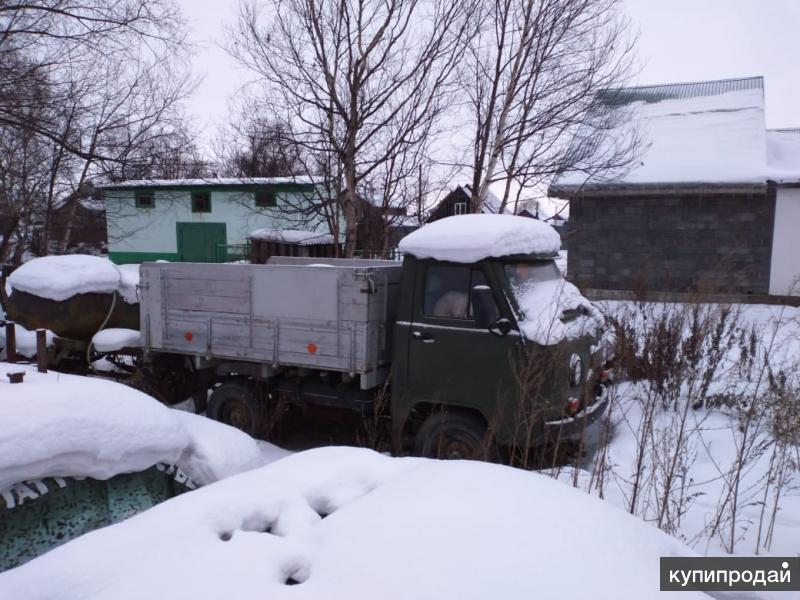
column 574, row 426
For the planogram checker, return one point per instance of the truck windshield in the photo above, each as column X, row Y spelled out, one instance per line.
column 527, row 274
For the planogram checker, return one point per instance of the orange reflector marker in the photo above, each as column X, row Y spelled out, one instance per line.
column 312, row 348
column 572, row 405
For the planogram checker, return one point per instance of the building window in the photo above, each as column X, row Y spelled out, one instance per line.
column 461, row 208
column 201, row 202
column 265, row 198
column 145, row 200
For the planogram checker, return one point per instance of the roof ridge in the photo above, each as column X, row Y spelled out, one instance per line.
column 688, row 83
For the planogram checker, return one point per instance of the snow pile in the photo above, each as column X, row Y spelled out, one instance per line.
column 217, row 451
column 470, row 238
column 291, row 236
column 114, row 339
column 61, row 277
column 543, row 304
column 129, row 283
column 25, row 341
column 71, row 426
column 81, row 427
column 347, row 523
column 709, row 139
column 783, row 155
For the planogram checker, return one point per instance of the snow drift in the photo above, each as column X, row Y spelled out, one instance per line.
column 346, row 523
column 56, row 425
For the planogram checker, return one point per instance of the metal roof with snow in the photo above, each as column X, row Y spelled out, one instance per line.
column 207, row 182
column 679, row 91
column 710, row 134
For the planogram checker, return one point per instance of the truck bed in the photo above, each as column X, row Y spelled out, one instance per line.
column 289, row 312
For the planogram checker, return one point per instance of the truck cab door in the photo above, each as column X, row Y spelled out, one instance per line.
column 452, row 361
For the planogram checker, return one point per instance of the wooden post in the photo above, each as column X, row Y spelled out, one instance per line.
column 41, row 350
column 11, row 343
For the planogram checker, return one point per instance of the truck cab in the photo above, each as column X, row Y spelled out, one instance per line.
column 491, row 348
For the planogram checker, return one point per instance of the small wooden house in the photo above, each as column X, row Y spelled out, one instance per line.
column 457, row 203
column 265, row 243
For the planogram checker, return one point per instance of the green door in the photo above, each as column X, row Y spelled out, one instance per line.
column 452, row 361
column 201, row 242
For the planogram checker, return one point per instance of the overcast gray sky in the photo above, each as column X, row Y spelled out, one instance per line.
column 680, row 40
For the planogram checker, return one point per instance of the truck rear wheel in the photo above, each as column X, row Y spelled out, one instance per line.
column 454, row 436
column 236, row 404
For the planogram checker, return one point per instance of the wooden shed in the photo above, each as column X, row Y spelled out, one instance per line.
column 265, row 243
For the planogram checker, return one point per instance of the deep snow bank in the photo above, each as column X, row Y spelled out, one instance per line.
column 349, row 523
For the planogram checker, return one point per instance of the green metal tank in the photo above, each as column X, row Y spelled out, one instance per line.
column 78, row 317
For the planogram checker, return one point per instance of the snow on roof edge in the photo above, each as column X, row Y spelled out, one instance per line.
column 291, row 236
column 220, row 181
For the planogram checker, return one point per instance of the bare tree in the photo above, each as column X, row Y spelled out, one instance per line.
column 97, row 83
column 169, row 152
column 532, row 77
column 62, row 40
column 359, row 83
column 255, row 144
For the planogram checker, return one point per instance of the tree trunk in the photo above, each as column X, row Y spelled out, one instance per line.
column 7, row 233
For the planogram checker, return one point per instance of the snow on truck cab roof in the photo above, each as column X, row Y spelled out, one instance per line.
column 470, row 238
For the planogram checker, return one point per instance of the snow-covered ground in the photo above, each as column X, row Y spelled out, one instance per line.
column 681, row 473
column 350, row 523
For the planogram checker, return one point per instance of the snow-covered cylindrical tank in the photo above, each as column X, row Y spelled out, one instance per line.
column 72, row 295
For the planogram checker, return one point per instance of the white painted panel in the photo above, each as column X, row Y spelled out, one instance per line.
column 784, row 275
column 290, row 293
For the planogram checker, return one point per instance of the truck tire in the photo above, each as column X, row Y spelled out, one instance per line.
column 454, row 436
column 235, row 403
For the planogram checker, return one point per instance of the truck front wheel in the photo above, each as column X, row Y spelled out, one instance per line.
column 236, row 404
column 454, row 436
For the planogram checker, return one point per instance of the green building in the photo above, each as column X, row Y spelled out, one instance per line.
column 202, row 220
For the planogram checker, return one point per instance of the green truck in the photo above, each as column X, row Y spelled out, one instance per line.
column 474, row 342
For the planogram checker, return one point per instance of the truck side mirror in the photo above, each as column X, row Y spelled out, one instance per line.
column 483, row 306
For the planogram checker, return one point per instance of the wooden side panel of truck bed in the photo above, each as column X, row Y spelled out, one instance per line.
column 292, row 313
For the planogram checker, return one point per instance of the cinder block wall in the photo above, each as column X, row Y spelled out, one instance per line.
column 676, row 243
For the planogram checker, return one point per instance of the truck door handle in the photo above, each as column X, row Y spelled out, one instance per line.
column 425, row 338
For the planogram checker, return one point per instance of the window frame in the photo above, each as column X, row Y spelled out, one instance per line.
column 195, row 195
column 144, row 194
column 462, row 205
column 271, row 194
column 472, row 271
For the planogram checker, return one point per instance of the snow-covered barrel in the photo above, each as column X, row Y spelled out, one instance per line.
column 72, row 295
